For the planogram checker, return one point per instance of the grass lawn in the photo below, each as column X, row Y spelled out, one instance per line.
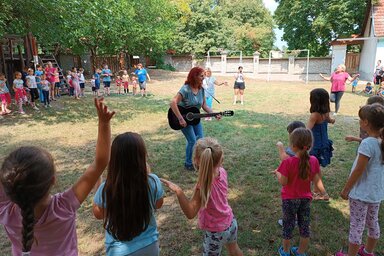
column 68, row 131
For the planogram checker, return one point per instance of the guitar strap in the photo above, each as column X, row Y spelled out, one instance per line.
column 205, row 91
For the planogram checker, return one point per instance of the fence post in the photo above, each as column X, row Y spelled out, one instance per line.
column 291, row 64
column 224, row 62
column 256, row 60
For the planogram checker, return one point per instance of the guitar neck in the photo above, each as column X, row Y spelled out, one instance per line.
column 207, row 115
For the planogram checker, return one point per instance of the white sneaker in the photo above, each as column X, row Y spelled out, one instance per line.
column 45, row 106
column 35, row 108
column 242, row 103
column 335, row 114
column 49, row 105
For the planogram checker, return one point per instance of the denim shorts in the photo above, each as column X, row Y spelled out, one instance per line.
column 214, row 241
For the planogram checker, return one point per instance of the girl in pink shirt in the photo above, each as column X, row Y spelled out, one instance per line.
column 210, row 200
column 36, row 222
column 295, row 174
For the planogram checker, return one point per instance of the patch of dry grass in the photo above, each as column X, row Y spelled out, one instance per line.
column 68, row 131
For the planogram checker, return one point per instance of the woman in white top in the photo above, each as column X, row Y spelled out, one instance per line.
column 239, row 86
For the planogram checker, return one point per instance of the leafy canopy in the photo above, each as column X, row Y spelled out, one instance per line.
column 312, row 24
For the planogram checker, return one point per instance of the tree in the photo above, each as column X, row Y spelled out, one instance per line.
column 233, row 25
column 313, row 24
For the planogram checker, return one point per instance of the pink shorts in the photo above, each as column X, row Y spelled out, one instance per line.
column 5, row 98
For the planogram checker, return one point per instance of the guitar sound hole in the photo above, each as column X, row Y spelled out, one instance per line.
column 190, row 116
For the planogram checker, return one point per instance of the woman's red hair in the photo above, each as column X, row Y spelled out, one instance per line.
column 193, row 78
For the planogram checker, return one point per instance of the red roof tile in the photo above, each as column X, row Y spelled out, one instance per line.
column 378, row 14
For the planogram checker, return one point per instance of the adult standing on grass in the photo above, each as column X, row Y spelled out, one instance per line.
column 239, row 86
column 338, row 80
column 142, row 76
column 209, row 83
column 106, row 74
column 191, row 94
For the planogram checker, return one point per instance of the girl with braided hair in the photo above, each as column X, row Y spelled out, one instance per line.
column 295, row 175
column 36, row 222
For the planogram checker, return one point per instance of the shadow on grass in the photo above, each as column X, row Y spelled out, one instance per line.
column 78, row 111
column 250, row 154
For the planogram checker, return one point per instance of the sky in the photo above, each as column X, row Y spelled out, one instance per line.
column 272, row 5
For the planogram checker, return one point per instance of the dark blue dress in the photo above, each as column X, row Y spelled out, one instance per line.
column 322, row 146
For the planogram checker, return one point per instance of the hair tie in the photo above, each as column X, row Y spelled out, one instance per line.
column 305, row 148
column 210, row 148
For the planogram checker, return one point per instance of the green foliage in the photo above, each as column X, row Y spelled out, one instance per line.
column 232, row 25
column 312, row 24
column 103, row 26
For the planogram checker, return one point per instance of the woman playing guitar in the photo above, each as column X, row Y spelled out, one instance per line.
column 191, row 94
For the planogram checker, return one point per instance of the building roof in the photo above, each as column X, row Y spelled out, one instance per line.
column 378, row 18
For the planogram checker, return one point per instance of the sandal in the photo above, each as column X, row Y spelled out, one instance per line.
column 320, row 196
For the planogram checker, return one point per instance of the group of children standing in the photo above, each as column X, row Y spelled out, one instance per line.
column 42, row 224
column 123, row 81
column 309, row 148
column 34, row 85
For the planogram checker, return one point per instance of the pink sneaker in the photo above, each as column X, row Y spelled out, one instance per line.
column 340, row 254
column 363, row 253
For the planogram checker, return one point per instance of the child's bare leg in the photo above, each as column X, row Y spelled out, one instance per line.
column 353, row 249
column 371, row 244
column 286, row 245
column 234, row 249
column 303, row 245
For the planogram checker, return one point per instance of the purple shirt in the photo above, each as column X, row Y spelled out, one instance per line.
column 338, row 81
column 217, row 216
column 296, row 187
column 55, row 231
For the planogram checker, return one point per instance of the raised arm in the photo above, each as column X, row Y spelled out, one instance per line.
column 328, row 78
column 350, row 79
column 87, row 181
column 189, row 207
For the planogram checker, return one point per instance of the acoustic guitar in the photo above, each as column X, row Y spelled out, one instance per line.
column 191, row 116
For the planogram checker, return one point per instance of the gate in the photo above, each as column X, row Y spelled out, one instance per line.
column 352, row 62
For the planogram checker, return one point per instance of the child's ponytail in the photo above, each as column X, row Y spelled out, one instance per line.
column 301, row 138
column 208, row 155
column 205, row 175
column 27, row 175
column 304, row 167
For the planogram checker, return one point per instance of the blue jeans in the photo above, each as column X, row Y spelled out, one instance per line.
column 208, row 101
column 192, row 133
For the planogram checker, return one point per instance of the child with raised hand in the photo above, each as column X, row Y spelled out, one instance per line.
column 127, row 200
column 295, row 174
column 363, row 134
column 210, row 200
column 364, row 188
column 36, row 222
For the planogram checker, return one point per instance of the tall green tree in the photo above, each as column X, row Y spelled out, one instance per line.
column 250, row 24
column 313, row 24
